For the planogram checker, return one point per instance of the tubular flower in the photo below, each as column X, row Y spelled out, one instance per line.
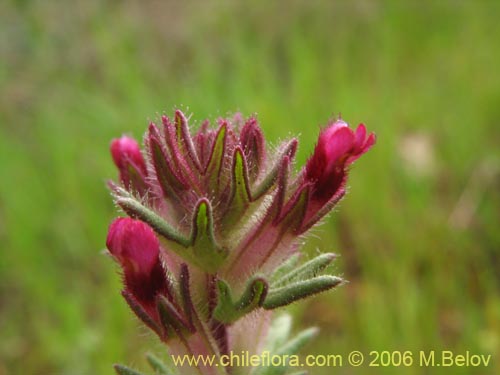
column 216, row 225
column 327, row 169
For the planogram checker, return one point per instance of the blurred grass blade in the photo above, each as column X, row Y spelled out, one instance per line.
column 124, row 370
column 157, row 365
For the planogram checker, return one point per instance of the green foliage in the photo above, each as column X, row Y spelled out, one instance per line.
column 289, row 293
column 293, row 284
column 124, row 370
column 417, row 234
column 158, row 365
column 279, row 343
column 228, row 310
column 308, row 270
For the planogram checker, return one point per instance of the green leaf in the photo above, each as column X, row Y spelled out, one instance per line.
column 200, row 249
column 279, row 331
column 158, row 366
column 206, row 252
column 240, row 188
column 298, row 342
column 282, row 296
column 124, row 370
column 286, row 267
column 292, row 347
column 308, row 270
column 136, row 209
column 228, row 311
column 215, row 162
column 239, row 198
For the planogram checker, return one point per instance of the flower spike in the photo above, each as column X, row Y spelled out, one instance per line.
column 216, row 220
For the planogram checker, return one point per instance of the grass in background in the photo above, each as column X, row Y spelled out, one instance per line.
column 418, row 231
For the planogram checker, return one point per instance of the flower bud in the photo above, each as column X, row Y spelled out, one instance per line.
column 128, row 158
column 135, row 246
column 126, row 149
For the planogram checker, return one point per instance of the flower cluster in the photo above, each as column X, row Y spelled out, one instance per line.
column 215, row 222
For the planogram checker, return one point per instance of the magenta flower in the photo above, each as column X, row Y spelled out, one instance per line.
column 327, row 169
column 217, row 223
column 127, row 156
column 135, row 246
column 126, row 150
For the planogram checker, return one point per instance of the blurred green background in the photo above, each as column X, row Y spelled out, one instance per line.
column 418, row 232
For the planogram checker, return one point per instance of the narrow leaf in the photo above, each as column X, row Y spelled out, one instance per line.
column 288, row 294
column 142, row 314
column 133, row 178
column 170, row 316
column 228, row 311
column 177, row 158
column 308, row 270
column 214, row 165
column 298, row 342
column 294, row 211
column 278, row 332
column 184, row 139
column 124, row 370
column 253, row 143
column 158, row 366
column 287, row 151
column 184, row 286
column 310, row 220
column 239, row 198
column 286, row 267
column 208, row 254
column 169, row 178
column 292, row 347
column 240, row 189
column 136, row 209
